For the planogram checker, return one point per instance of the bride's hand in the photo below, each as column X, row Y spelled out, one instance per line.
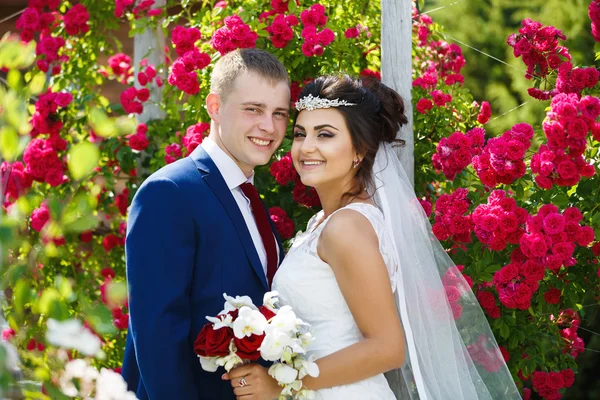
column 253, row 382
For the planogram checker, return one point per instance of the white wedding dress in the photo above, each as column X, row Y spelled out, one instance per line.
column 308, row 284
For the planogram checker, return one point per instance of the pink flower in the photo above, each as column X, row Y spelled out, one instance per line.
column 194, row 136
column 424, row 105
column 552, row 296
column 283, row 170
column 440, row 99
column 284, row 224
column 484, row 113
column 76, row 20
column 138, row 141
column 39, row 217
column 184, row 39
column 351, row 33
column 172, row 153
column 235, row 34
column 120, row 64
column 7, row 334
column 111, row 240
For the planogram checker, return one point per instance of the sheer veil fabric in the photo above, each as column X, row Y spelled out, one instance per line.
column 446, row 358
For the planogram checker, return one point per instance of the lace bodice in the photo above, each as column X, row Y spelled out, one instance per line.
column 308, row 284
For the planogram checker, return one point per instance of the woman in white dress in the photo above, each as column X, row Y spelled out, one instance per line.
column 368, row 275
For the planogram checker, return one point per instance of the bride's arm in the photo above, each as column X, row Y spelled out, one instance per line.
column 350, row 246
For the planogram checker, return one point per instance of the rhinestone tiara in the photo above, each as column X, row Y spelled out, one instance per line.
column 311, row 102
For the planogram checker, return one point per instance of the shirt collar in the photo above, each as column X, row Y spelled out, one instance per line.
column 231, row 172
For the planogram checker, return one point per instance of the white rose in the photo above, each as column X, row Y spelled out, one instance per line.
column 209, row 363
column 71, row 334
column 111, row 386
column 249, row 322
column 283, row 373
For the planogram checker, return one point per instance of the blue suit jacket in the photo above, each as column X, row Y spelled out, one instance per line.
column 187, row 244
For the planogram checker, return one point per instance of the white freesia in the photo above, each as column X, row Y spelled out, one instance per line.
column 285, row 320
column 111, row 386
column 221, row 321
column 284, row 374
column 209, row 363
column 305, row 394
column 270, row 300
column 289, row 389
column 228, row 362
column 233, row 303
column 85, row 375
column 71, row 334
column 249, row 322
column 274, row 344
column 306, row 339
column 306, row 367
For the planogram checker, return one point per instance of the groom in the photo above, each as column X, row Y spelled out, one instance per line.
column 197, row 228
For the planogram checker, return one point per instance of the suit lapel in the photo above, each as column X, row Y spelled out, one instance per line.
column 215, row 181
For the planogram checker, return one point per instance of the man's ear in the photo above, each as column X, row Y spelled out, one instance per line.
column 213, row 106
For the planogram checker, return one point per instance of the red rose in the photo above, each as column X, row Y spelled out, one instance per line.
column 213, row 343
column 568, row 377
column 247, row 348
column 266, row 312
column 552, row 296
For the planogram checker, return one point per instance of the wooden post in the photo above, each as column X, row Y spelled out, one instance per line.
column 150, row 45
column 396, row 67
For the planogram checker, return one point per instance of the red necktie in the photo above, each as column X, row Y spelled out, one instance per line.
column 264, row 228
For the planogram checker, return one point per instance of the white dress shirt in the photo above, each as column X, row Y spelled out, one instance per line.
column 234, row 177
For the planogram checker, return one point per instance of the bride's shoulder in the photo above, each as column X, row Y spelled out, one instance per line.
column 349, row 225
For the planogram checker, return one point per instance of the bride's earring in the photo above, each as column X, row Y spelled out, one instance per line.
column 356, row 162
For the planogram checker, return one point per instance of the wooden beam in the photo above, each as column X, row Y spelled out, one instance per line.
column 396, row 67
column 150, row 45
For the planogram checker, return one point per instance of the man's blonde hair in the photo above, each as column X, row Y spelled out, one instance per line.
column 239, row 61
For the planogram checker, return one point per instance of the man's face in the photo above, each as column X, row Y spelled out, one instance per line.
column 251, row 120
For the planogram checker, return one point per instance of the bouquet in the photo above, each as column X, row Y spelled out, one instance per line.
column 243, row 333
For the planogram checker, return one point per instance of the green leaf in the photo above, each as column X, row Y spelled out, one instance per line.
column 9, row 143
column 504, row 331
column 14, row 79
column 52, row 305
column 37, row 83
column 102, row 124
column 22, row 295
column 64, row 287
column 292, row 6
column 82, row 224
column 83, row 158
column 561, row 200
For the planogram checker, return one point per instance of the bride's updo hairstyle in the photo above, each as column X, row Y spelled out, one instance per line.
column 376, row 117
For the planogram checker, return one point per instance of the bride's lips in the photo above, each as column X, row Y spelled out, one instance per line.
column 311, row 164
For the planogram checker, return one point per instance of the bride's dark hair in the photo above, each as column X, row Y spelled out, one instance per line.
column 376, row 117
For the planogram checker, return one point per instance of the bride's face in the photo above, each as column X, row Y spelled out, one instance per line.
column 322, row 149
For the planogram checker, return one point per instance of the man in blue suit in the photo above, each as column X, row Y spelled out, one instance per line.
column 197, row 229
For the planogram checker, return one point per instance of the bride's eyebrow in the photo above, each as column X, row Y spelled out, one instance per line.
column 325, row 126
column 317, row 127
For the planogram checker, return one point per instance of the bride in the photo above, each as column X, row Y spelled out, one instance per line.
column 391, row 315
